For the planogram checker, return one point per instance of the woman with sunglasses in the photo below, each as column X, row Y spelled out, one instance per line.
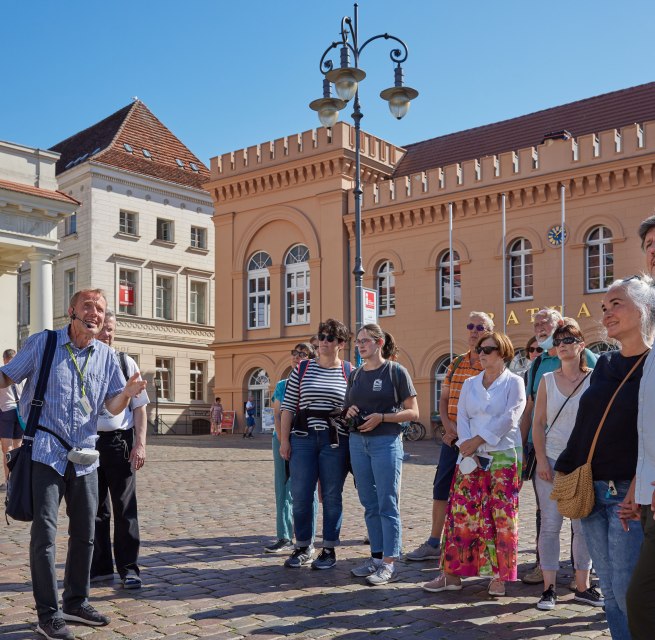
column 629, row 320
column 283, row 508
column 558, row 397
column 380, row 396
column 314, row 446
column 532, row 352
column 481, row 532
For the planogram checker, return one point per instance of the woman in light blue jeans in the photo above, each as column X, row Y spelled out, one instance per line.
column 380, row 396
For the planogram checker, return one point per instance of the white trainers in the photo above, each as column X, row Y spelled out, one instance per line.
column 385, row 574
column 424, row 552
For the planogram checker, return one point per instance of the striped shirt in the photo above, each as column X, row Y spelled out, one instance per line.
column 320, row 389
column 454, row 381
column 61, row 412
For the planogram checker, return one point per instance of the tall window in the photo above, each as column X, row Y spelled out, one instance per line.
column 70, row 225
column 25, row 297
column 69, row 285
column 198, row 302
column 386, row 285
column 198, row 238
column 439, row 376
column 197, row 380
column 297, row 284
column 520, row 269
column 164, row 298
column 127, row 223
column 164, row 378
column 127, row 291
column 259, row 291
column 599, row 259
column 450, row 286
column 164, row 230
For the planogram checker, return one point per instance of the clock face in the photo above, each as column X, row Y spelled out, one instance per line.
column 556, row 235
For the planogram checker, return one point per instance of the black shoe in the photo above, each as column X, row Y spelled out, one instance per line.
column 86, row 614
column 326, row 559
column 299, row 557
column 55, row 629
column 591, row 596
column 548, row 599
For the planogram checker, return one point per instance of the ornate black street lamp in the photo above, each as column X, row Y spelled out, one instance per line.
column 346, row 79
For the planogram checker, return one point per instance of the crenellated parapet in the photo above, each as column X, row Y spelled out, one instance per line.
column 587, row 165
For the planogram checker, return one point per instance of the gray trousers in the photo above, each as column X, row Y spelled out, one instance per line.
column 81, row 494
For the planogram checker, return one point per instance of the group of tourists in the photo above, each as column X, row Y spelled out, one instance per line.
column 499, row 429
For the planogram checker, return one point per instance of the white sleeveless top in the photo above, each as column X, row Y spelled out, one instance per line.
column 558, row 435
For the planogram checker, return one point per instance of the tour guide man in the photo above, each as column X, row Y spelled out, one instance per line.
column 84, row 375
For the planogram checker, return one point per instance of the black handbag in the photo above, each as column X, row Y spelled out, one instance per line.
column 18, row 500
column 530, row 465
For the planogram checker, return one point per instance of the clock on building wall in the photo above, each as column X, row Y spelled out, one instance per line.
column 556, row 235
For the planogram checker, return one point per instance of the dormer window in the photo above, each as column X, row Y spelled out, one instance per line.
column 194, row 167
column 128, row 148
column 179, row 163
column 147, row 154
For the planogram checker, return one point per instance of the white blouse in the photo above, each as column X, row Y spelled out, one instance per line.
column 493, row 414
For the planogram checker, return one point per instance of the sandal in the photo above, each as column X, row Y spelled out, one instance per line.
column 440, row 583
column 496, row 587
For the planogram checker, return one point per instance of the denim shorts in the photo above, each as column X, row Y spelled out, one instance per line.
column 9, row 425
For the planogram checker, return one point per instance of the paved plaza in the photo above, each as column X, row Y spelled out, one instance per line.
column 207, row 510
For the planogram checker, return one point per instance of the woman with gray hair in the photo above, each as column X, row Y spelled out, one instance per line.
column 614, row 389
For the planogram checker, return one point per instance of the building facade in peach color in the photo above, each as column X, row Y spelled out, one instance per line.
column 285, row 234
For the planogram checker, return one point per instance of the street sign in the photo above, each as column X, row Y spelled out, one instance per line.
column 370, row 306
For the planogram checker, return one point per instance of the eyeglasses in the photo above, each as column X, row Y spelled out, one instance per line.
column 568, row 340
column 299, row 354
column 360, row 342
column 479, row 327
column 533, row 349
column 330, row 337
column 487, row 350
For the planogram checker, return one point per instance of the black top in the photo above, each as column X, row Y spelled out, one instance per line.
column 615, row 456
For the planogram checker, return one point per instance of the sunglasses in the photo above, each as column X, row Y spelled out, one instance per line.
column 568, row 340
column 299, row 354
column 487, row 350
column 480, row 327
column 537, row 349
column 330, row 337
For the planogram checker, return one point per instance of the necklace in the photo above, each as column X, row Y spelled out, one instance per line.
column 571, row 380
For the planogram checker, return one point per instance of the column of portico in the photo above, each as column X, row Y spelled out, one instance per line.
column 41, row 289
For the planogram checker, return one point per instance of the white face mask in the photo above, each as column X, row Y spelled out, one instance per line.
column 547, row 344
column 468, row 465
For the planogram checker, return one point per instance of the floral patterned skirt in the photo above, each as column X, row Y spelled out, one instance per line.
column 480, row 536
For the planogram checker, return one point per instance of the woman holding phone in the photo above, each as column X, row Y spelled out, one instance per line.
column 481, row 532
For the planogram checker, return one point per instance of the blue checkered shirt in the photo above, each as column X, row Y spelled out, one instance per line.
column 61, row 413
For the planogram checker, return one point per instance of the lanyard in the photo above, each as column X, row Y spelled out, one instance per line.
column 81, row 373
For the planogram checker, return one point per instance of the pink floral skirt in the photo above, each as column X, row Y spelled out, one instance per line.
column 480, row 535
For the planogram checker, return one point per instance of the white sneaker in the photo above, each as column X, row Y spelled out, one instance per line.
column 367, row 568
column 385, row 574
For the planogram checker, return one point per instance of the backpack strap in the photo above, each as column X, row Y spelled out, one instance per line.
column 393, row 374
column 39, row 391
column 534, row 368
column 346, row 369
column 122, row 361
column 456, row 362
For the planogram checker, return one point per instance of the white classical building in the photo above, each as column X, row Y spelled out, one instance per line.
column 143, row 233
column 31, row 206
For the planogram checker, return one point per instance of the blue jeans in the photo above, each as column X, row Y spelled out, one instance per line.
column 377, row 465
column 313, row 459
column 614, row 553
column 283, row 502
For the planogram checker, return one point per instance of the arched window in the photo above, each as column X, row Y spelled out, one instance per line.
column 602, row 347
column 599, row 259
column 297, row 284
column 259, row 387
column 520, row 269
column 446, row 284
column 259, row 291
column 439, row 376
column 386, row 285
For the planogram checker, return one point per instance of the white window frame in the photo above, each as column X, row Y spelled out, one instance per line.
column 603, row 246
column 440, row 369
column 164, row 374
column 386, row 286
column 197, row 371
column 159, row 311
column 198, row 239
column 70, row 285
column 443, row 280
column 127, row 219
column 297, row 285
column 70, row 225
column 137, row 290
column 165, row 230
column 520, row 270
column 259, row 291
column 194, row 307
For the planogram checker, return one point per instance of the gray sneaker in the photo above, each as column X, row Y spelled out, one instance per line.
column 384, row 575
column 366, row 569
column 299, row 557
column 326, row 559
column 55, row 629
column 424, row 552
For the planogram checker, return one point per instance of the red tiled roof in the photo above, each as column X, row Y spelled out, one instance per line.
column 600, row 113
column 37, row 191
column 136, row 126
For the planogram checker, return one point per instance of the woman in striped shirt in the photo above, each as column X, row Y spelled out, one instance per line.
column 316, row 449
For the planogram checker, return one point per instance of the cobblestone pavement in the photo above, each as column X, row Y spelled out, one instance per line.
column 206, row 511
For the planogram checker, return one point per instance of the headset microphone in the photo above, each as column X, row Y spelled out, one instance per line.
column 88, row 325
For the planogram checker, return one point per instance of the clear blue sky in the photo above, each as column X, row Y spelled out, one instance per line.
column 224, row 75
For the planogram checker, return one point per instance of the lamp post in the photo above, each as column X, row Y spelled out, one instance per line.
column 346, row 79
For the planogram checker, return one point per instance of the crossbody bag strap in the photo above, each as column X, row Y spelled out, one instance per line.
column 607, row 409
column 39, row 390
column 565, row 401
column 52, row 433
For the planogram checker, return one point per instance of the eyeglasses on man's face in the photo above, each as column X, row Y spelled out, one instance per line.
column 533, row 349
column 487, row 349
column 568, row 340
column 478, row 327
column 330, row 337
column 299, row 354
